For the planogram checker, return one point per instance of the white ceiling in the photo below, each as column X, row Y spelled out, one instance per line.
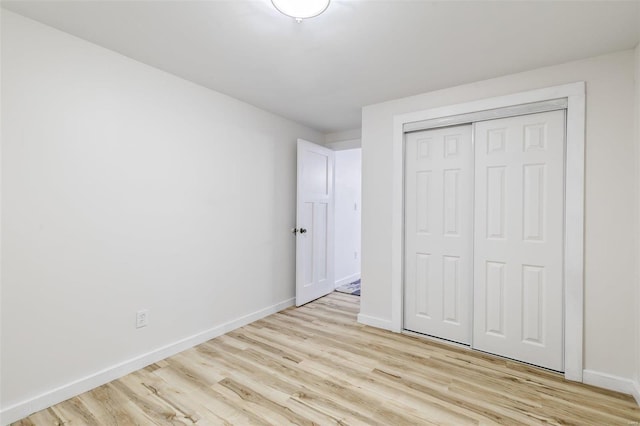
column 322, row 71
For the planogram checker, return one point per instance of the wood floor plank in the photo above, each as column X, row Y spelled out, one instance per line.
column 315, row 365
column 75, row 411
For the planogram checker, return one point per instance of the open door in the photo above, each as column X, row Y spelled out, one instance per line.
column 314, row 227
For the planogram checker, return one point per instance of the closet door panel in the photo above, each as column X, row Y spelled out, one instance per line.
column 518, row 238
column 439, row 233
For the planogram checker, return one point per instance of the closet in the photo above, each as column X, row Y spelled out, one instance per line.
column 484, row 235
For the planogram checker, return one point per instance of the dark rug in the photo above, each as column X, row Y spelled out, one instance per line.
column 351, row 288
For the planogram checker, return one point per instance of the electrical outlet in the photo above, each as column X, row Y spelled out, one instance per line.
column 142, row 318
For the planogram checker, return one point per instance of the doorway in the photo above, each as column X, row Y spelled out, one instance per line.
column 348, row 176
column 328, row 216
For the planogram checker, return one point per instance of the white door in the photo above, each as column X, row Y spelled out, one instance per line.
column 439, row 233
column 314, row 218
column 518, row 248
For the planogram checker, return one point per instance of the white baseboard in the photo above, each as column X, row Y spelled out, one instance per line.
column 614, row 383
column 347, row 280
column 22, row 409
column 375, row 322
column 636, row 392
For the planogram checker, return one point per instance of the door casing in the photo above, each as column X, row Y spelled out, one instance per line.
column 574, row 94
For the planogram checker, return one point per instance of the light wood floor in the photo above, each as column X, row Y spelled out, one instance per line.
column 316, row 365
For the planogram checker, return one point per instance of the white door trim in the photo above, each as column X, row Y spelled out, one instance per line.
column 574, row 202
column 487, row 114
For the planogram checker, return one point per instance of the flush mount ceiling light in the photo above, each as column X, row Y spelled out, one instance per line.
column 301, row 9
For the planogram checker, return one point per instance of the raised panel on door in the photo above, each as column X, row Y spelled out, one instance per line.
column 438, row 233
column 518, row 238
column 305, row 244
column 320, row 237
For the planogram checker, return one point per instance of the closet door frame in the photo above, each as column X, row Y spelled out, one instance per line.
column 570, row 97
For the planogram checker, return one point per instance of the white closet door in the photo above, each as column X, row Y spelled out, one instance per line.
column 518, row 244
column 439, row 233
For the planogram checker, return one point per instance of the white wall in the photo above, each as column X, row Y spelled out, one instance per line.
column 348, row 139
column 345, row 135
column 1, row 127
column 123, row 188
column 637, row 76
column 348, row 167
column 610, row 240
